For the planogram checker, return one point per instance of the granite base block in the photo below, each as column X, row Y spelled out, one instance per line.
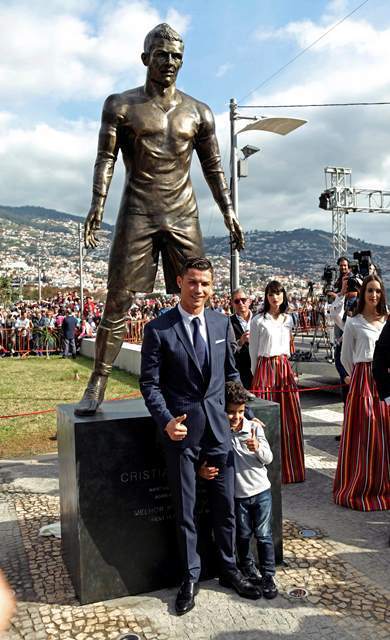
column 118, row 527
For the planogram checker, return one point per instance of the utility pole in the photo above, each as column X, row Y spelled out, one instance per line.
column 234, row 253
column 81, row 256
column 39, row 280
column 238, row 169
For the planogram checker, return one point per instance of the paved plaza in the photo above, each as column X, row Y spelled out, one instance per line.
column 345, row 569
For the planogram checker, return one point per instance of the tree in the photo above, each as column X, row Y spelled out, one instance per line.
column 5, row 290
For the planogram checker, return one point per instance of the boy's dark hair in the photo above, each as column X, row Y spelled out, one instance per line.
column 235, row 393
column 202, row 264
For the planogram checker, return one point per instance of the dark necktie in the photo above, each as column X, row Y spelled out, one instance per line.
column 200, row 347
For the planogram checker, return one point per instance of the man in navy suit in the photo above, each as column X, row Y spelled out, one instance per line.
column 186, row 359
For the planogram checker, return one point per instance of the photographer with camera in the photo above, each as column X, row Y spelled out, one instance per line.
column 347, row 286
column 330, row 290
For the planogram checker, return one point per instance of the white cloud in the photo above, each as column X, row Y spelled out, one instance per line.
column 223, row 69
column 47, row 166
column 62, row 54
column 285, row 180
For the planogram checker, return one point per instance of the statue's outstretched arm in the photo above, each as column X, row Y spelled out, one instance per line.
column 104, row 168
column 206, row 146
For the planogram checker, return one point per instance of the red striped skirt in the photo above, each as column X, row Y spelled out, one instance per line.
column 362, row 478
column 274, row 380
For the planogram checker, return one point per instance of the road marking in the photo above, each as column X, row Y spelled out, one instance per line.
column 326, row 415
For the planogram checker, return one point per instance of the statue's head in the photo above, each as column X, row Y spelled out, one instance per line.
column 162, row 32
column 163, row 54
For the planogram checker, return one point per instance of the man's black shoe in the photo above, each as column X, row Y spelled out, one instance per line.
column 241, row 585
column 185, row 599
column 270, row 590
column 252, row 574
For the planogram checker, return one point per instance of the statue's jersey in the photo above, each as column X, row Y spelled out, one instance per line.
column 157, row 146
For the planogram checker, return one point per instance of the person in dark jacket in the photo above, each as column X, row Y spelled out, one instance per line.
column 381, row 363
column 241, row 320
column 186, row 358
column 69, row 326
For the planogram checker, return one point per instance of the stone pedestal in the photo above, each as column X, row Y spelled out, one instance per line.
column 118, row 528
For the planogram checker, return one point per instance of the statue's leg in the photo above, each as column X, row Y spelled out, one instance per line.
column 109, row 339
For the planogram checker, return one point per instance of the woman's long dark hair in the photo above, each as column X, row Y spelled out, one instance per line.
column 275, row 287
column 381, row 307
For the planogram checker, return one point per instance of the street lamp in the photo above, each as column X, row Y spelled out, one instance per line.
column 274, row 124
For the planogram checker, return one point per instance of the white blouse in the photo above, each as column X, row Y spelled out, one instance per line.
column 336, row 311
column 269, row 337
column 359, row 341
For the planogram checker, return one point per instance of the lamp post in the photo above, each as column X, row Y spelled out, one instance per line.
column 279, row 125
column 81, row 266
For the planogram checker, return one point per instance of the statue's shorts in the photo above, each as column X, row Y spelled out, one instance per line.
column 138, row 242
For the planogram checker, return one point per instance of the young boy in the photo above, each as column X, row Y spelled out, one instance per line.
column 253, row 500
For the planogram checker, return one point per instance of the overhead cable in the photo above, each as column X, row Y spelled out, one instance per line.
column 305, row 49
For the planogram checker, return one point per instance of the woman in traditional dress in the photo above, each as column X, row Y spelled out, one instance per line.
column 269, row 348
column 363, row 469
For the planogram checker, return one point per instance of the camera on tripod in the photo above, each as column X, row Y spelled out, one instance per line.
column 361, row 266
column 328, row 277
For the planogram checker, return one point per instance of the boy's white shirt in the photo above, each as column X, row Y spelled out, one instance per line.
column 251, row 475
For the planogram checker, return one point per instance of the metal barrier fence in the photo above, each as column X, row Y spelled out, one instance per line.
column 24, row 341
column 48, row 341
column 306, row 321
column 135, row 331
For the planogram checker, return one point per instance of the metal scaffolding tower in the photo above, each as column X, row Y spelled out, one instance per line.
column 341, row 198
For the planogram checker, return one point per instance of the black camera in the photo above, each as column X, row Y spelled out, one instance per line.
column 364, row 261
column 328, row 277
column 355, row 280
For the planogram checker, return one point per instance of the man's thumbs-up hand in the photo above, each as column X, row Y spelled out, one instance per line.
column 175, row 428
column 252, row 443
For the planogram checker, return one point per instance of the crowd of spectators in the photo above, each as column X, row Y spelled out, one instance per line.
column 29, row 326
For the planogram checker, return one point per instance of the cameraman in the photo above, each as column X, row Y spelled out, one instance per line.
column 344, row 270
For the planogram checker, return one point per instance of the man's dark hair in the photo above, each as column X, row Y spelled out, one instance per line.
column 275, row 287
column 162, row 32
column 235, row 393
column 341, row 259
column 201, row 264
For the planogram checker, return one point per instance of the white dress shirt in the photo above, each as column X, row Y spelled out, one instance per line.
column 187, row 318
column 269, row 337
column 359, row 341
column 245, row 325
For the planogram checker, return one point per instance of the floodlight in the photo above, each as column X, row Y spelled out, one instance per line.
column 249, row 150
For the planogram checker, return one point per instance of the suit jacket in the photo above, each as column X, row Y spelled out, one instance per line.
column 172, row 383
column 381, row 362
column 69, row 326
column 242, row 357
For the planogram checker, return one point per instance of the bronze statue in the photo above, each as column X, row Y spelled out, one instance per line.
column 156, row 127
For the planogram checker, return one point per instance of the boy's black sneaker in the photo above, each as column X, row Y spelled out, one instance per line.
column 252, row 574
column 269, row 587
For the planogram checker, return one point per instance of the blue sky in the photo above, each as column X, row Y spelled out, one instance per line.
column 60, row 59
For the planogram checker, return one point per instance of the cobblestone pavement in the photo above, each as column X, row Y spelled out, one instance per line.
column 345, row 569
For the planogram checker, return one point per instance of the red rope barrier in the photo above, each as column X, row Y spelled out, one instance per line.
column 35, row 413
column 299, row 389
column 254, row 391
